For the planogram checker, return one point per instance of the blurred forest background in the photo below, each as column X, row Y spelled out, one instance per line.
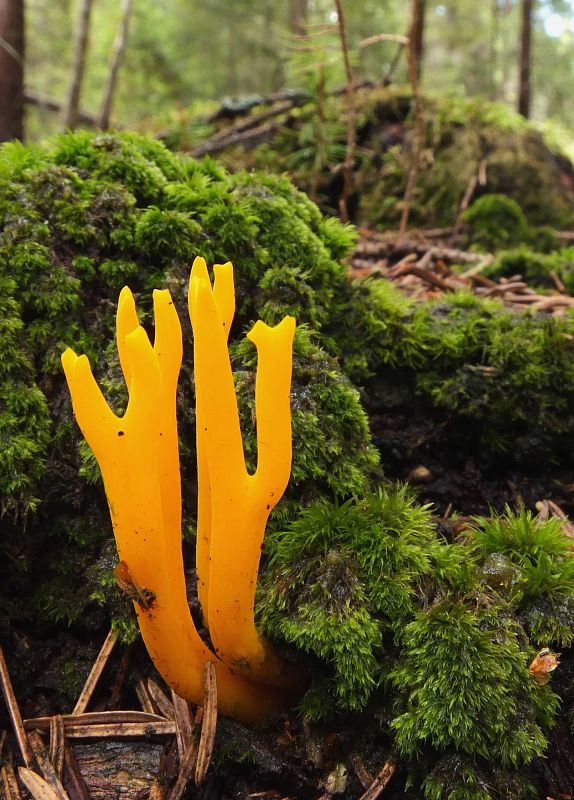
column 177, row 57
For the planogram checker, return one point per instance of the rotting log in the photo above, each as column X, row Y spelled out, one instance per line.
column 114, row 769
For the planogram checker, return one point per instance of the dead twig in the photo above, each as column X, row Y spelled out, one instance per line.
column 475, row 179
column 348, row 163
column 57, row 744
column 14, row 712
column 183, row 723
column 37, row 786
column 209, row 724
column 107, row 723
column 95, row 673
column 361, row 771
column 145, row 698
column 380, row 782
column 161, row 700
column 45, row 766
column 10, row 786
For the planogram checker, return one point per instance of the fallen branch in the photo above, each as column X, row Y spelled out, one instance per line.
column 95, row 673
column 14, row 712
column 380, row 782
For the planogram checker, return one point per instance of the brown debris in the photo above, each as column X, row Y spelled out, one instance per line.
column 421, row 267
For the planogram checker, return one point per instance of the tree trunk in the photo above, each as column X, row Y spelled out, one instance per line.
column 11, row 70
column 417, row 32
column 525, row 58
column 298, row 11
column 115, row 64
column 70, row 112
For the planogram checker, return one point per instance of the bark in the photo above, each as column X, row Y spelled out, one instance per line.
column 527, row 7
column 298, row 14
column 417, row 32
column 70, row 112
column 115, row 64
column 11, row 70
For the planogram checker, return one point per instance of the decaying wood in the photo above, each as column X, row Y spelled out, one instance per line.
column 10, row 786
column 160, row 700
column 57, row 744
column 95, row 673
column 235, row 133
column 45, row 766
column 380, row 782
column 145, row 698
column 74, row 780
column 209, row 724
column 14, row 712
column 361, row 771
column 107, row 723
column 183, row 723
column 115, row 763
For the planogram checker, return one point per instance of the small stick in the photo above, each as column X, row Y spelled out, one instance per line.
column 478, row 177
column 145, row 698
column 14, row 712
column 9, row 783
column 361, row 771
column 209, row 724
column 95, row 673
column 57, row 742
column 183, row 726
column 557, row 281
column 380, row 782
column 185, row 769
column 75, row 778
column 45, row 765
column 37, row 786
column 384, row 37
column 163, row 705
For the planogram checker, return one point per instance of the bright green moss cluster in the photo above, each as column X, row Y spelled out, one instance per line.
column 435, row 638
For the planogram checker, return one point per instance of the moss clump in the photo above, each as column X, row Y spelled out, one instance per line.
column 480, row 699
column 496, row 221
column 340, row 577
column 530, row 561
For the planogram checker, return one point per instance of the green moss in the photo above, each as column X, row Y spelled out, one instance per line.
column 537, row 558
column 341, row 576
column 496, row 221
column 479, row 698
